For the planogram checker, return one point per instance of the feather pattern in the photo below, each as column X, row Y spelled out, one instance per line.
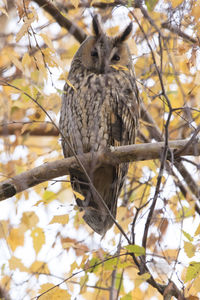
column 99, row 111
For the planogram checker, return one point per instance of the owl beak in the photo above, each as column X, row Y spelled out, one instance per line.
column 103, row 66
column 103, row 61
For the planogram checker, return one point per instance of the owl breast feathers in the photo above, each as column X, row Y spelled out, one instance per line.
column 100, row 109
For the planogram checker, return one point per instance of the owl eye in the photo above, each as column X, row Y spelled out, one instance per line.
column 116, row 57
column 94, row 53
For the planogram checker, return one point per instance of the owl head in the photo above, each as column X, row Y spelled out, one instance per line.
column 100, row 53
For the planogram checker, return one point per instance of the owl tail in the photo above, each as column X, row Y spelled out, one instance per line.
column 108, row 181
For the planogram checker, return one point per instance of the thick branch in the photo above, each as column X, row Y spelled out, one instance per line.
column 76, row 31
column 48, row 171
column 40, row 130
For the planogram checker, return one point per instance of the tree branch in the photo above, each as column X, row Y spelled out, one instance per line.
column 44, row 129
column 176, row 30
column 73, row 29
column 51, row 170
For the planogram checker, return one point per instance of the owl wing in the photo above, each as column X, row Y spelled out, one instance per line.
column 125, row 114
column 66, row 115
column 124, row 124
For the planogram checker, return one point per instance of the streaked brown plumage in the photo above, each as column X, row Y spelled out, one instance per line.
column 99, row 111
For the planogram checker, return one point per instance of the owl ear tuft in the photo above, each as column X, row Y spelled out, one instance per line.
column 125, row 34
column 96, row 26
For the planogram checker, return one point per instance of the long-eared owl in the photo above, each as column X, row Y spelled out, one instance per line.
column 100, row 108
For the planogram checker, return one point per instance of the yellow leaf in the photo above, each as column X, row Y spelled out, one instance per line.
column 137, row 250
column 140, row 279
column 38, row 202
column 38, row 238
column 78, row 195
column 52, row 292
column 102, row 1
column 41, row 66
column 188, row 236
column 50, row 58
column 62, row 219
column 4, row 227
column 196, row 11
column 90, row 296
column 186, row 212
column 197, row 232
column 30, row 219
column 70, row 84
column 28, row 20
column 16, row 237
column 69, row 53
column 119, row 67
column 48, row 41
column 124, row 217
column 113, row 30
column 197, row 78
column 196, row 284
column 26, row 60
column 17, row 63
column 15, row 263
column 75, row 3
column 175, row 3
column 48, row 196
column 39, row 267
column 5, row 282
column 137, row 293
column 189, row 249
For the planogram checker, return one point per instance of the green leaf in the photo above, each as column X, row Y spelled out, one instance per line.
column 151, row 4
column 137, row 250
column 111, row 263
column 192, row 271
column 188, row 236
column 185, row 212
column 92, row 263
column 48, row 196
column 129, row 3
column 189, row 249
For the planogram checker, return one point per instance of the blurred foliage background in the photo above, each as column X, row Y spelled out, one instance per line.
column 47, row 251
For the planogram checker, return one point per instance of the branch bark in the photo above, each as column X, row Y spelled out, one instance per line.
column 51, row 170
column 73, row 29
column 40, row 130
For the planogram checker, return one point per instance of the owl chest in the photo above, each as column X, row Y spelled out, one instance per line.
column 89, row 115
column 96, row 113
